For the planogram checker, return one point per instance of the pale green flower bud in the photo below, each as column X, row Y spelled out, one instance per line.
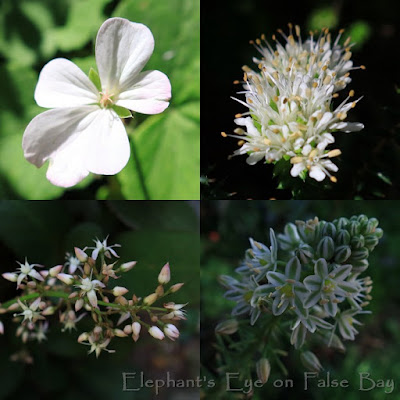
column 263, row 369
column 228, row 327
column 326, row 248
column 310, row 361
column 342, row 254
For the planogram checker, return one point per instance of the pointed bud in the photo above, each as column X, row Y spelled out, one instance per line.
column 119, row 333
column 150, row 299
column 1, row 328
column 49, row 311
column 78, row 304
column 44, row 273
column 66, row 278
column 127, row 266
column 119, row 291
column 80, row 254
column 176, row 287
column 165, row 275
column 128, row 329
column 160, row 290
column 136, row 327
column 121, row 300
column 228, row 327
column 55, row 270
column 263, row 369
column 83, row 337
column 310, row 361
column 171, row 331
column 156, row 333
column 10, row 276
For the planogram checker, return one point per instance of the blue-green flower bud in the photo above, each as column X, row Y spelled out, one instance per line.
column 329, row 229
column 353, row 228
column 371, row 225
column 359, row 265
column 343, row 237
column 342, row 254
column 371, row 241
column 228, row 327
column 341, row 223
column 310, row 361
column 359, row 254
column 326, row 248
column 357, row 241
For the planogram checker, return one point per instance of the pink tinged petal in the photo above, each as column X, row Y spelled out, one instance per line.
column 122, row 50
column 1, row 328
column 109, row 148
column 62, row 84
column 95, row 253
column 51, row 134
column 92, row 298
column 10, row 276
column 149, row 93
column 36, row 275
column 20, row 278
column 35, row 304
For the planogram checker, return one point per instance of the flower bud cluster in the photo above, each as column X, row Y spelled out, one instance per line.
column 290, row 114
column 83, row 287
column 310, row 276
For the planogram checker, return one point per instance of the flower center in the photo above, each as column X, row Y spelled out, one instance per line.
column 106, row 100
column 287, row 291
column 329, row 286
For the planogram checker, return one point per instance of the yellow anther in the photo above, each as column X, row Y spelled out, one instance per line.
column 296, row 160
column 238, row 115
column 241, row 142
column 223, row 134
column 334, row 153
column 236, row 82
column 351, row 93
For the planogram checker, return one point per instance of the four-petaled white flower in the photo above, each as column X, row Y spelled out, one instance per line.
column 89, row 288
column 82, row 132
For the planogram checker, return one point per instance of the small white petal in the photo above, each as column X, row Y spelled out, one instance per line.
column 122, row 50
column 254, row 158
column 317, row 173
column 149, row 93
column 296, row 169
column 62, row 84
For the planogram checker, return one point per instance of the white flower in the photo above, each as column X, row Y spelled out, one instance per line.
column 101, row 246
column 29, row 312
column 290, row 102
column 99, row 346
column 24, row 271
column 89, row 288
column 82, row 132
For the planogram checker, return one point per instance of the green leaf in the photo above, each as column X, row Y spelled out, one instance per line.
column 122, row 112
column 94, row 77
column 165, row 157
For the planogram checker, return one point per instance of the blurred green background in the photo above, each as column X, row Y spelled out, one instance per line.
column 226, row 226
column 151, row 233
column 164, row 148
column 370, row 158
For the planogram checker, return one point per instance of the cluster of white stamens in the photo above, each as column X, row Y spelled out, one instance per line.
column 291, row 115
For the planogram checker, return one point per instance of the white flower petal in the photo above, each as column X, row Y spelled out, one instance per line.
column 62, row 84
column 122, row 50
column 52, row 135
column 317, row 173
column 255, row 157
column 109, row 148
column 296, row 169
column 91, row 294
column 149, row 93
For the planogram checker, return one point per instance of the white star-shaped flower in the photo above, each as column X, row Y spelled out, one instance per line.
column 82, row 132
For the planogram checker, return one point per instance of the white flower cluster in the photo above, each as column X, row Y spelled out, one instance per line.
column 291, row 115
column 86, row 290
column 311, row 275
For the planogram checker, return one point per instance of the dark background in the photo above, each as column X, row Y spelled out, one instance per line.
column 370, row 158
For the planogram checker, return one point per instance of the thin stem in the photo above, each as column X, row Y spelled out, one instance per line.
column 140, row 172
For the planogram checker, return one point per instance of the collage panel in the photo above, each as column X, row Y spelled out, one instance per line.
column 301, row 105
column 101, row 99
column 99, row 299
column 299, row 299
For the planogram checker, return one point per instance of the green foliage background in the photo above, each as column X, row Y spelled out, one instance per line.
column 226, row 226
column 164, row 161
column 151, row 233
